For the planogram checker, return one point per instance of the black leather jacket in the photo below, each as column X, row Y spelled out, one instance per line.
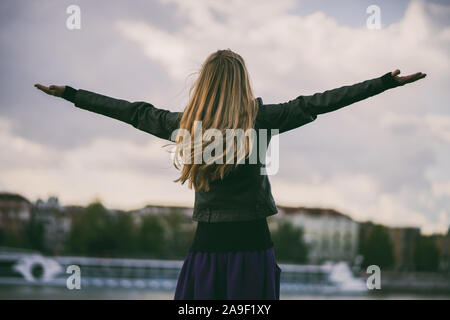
column 245, row 194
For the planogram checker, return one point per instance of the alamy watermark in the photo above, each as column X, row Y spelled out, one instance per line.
column 373, row 22
column 374, row 280
column 262, row 147
column 74, row 280
column 73, row 21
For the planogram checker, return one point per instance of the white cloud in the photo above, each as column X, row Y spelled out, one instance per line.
column 123, row 174
column 433, row 126
column 360, row 197
column 321, row 51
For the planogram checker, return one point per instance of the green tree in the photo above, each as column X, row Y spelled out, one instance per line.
column 98, row 232
column 15, row 238
column 426, row 254
column 151, row 238
column 376, row 248
column 34, row 235
column 289, row 245
column 91, row 232
column 123, row 235
column 180, row 234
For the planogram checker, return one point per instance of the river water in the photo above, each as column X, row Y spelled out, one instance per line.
column 51, row 293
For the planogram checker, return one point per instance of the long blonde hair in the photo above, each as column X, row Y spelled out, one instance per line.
column 221, row 98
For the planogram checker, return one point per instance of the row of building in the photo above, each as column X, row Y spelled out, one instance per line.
column 329, row 234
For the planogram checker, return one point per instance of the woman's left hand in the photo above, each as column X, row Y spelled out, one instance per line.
column 407, row 79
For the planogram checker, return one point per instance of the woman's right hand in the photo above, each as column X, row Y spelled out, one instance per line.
column 53, row 90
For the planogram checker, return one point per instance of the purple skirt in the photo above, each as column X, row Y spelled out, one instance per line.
column 229, row 275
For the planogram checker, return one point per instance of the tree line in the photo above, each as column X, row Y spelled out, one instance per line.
column 96, row 231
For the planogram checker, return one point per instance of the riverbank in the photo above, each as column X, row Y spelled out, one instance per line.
column 58, row 293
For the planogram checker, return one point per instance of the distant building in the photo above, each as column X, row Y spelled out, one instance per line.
column 15, row 210
column 329, row 234
column 56, row 221
column 403, row 243
column 442, row 242
column 159, row 209
column 402, row 239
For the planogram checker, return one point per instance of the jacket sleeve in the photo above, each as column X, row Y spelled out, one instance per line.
column 304, row 109
column 141, row 115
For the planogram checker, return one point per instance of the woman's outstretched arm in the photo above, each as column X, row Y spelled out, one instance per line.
column 141, row 115
column 304, row 109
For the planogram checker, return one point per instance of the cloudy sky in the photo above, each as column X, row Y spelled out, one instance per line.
column 386, row 159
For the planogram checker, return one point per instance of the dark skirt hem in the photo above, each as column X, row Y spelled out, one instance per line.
column 243, row 275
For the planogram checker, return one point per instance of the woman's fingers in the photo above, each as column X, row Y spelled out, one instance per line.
column 41, row 87
column 47, row 90
column 417, row 76
column 407, row 79
column 52, row 90
column 395, row 72
column 412, row 77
